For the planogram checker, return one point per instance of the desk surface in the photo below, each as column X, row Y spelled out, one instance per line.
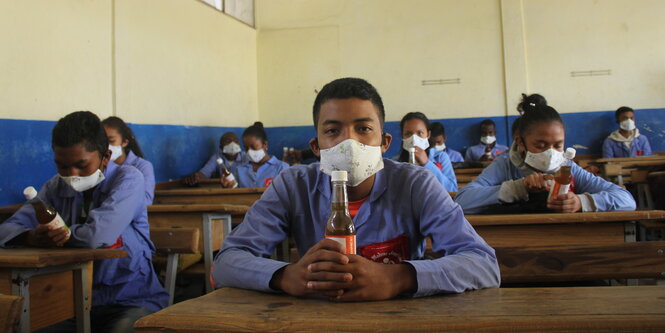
column 564, row 218
column 495, row 310
column 209, row 191
column 36, row 257
column 187, row 208
column 632, row 159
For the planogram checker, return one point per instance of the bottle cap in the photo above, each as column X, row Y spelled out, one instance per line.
column 220, row 161
column 570, row 153
column 285, row 148
column 291, row 149
column 29, row 193
column 412, row 150
column 338, row 176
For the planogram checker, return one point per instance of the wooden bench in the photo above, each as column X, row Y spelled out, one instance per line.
column 172, row 242
column 566, row 309
column 10, row 313
column 235, row 196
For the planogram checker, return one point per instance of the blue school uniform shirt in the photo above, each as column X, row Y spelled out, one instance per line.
column 474, row 153
column 445, row 175
column 454, row 155
column 639, row 147
column 484, row 190
column 148, row 174
column 211, row 166
column 118, row 209
column 406, row 203
column 269, row 170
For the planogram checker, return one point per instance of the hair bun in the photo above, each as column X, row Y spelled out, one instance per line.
column 258, row 124
column 531, row 102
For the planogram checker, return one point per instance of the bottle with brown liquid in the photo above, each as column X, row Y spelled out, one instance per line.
column 488, row 154
column 340, row 227
column 44, row 213
column 225, row 172
column 412, row 156
column 562, row 178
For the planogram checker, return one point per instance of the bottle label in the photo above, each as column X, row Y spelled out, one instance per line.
column 557, row 189
column 348, row 243
column 57, row 223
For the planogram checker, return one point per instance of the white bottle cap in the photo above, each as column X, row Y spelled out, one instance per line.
column 29, row 193
column 285, row 148
column 220, row 161
column 338, row 176
column 570, row 153
column 291, row 149
column 412, row 150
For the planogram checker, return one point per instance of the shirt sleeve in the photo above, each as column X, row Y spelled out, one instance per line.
column 445, row 175
column 243, row 261
column 107, row 222
column 607, row 148
column 210, row 166
column 606, row 196
column 149, row 179
column 469, row 262
column 484, row 190
column 468, row 155
column 24, row 219
column 647, row 147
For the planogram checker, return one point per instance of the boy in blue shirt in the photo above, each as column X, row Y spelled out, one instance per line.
column 626, row 141
column 232, row 157
column 438, row 140
column 104, row 208
column 397, row 205
column 488, row 148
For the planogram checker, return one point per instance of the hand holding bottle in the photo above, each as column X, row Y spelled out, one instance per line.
column 45, row 235
column 421, row 156
column 537, row 182
column 565, row 203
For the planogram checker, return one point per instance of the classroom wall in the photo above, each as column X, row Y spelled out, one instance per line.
column 498, row 48
column 180, row 72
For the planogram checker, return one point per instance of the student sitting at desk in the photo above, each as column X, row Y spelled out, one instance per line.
column 103, row 207
column 627, row 140
column 395, row 206
column 262, row 168
column 125, row 149
column 438, row 140
column 522, row 176
column 488, row 148
column 232, row 157
column 415, row 134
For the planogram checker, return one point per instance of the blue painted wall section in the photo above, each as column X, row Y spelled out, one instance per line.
column 175, row 151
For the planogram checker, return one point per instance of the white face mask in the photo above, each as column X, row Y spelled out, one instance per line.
column 116, row 151
column 358, row 160
column 231, row 149
column 80, row 184
column 488, row 140
column 547, row 161
column 415, row 141
column 440, row 147
column 627, row 124
column 256, row 155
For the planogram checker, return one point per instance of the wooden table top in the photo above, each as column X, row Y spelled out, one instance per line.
column 209, row 191
column 632, row 159
column 176, row 208
column 43, row 257
column 562, row 218
column 494, row 310
column 466, row 171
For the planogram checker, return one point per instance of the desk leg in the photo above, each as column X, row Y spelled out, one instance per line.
column 20, row 287
column 207, row 250
column 171, row 270
column 630, row 236
column 82, row 298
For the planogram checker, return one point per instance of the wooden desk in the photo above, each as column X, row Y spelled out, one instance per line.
column 597, row 309
column 213, row 221
column 236, row 196
column 560, row 229
column 468, row 171
column 52, row 274
column 177, row 184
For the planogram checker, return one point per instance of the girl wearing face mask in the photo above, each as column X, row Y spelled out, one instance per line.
column 415, row 133
column 534, row 157
column 230, row 155
column 104, row 208
column 261, row 168
column 126, row 150
column 438, row 141
column 627, row 140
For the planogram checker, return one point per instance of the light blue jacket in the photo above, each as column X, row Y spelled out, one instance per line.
column 211, row 166
column 455, row 156
column 474, row 153
column 445, row 175
column 639, row 147
column 406, row 202
column 118, row 209
column 484, row 190
column 148, row 174
column 270, row 169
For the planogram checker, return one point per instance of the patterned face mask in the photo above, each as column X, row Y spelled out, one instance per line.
column 358, row 160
